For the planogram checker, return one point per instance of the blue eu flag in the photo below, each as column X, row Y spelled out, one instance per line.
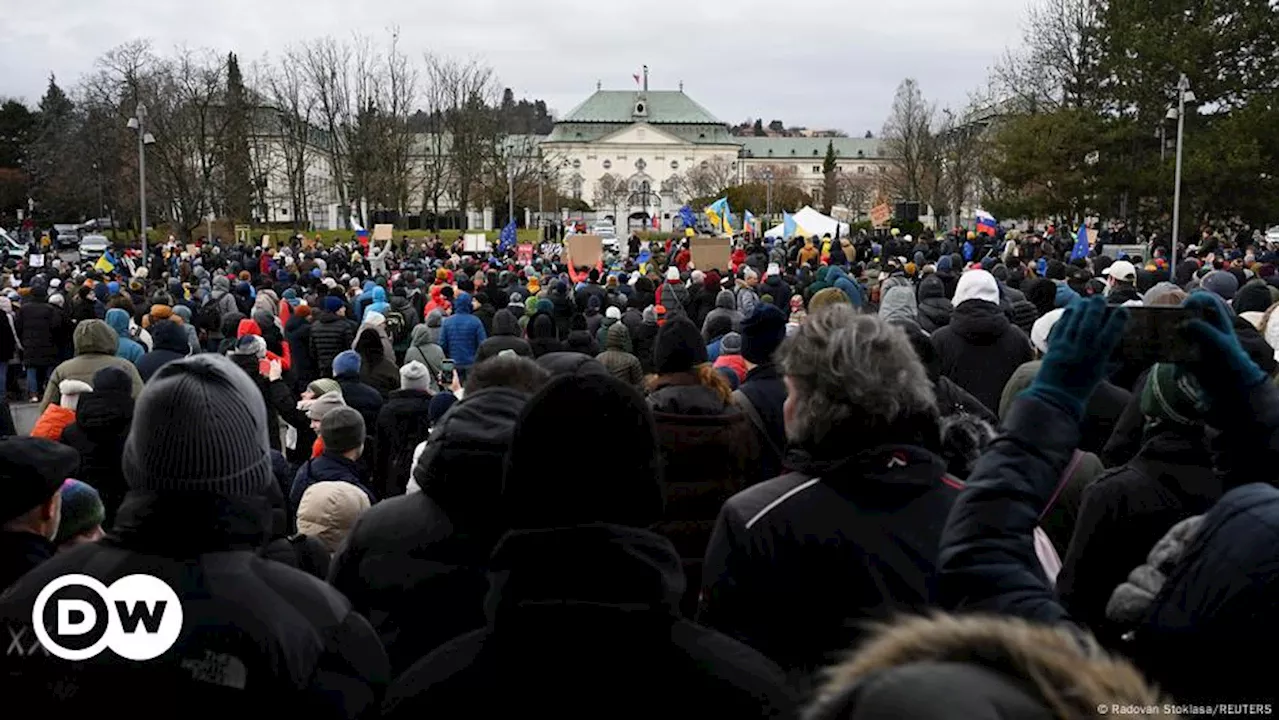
column 507, row 238
column 1081, row 248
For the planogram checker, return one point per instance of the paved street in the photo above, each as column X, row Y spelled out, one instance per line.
column 24, row 416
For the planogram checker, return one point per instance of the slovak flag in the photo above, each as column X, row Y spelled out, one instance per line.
column 986, row 222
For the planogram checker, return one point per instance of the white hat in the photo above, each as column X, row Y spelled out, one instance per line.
column 1042, row 327
column 613, row 313
column 772, row 270
column 673, row 273
column 1122, row 270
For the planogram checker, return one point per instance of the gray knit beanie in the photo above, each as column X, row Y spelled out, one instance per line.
column 321, row 406
column 342, row 430
column 415, row 376
column 199, row 425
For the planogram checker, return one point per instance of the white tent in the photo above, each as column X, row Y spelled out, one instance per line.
column 814, row 223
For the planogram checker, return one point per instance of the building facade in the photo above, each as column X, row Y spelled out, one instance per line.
column 634, row 156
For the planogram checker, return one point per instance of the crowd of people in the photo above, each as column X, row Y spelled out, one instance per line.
column 852, row 477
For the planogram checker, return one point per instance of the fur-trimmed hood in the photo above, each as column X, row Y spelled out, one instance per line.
column 978, row 667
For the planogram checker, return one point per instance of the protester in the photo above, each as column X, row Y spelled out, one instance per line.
column 95, row 346
column 980, row 349
column 307, row 644
column 81, row 517
column 342, row 431
column 98, row 434
column 868, row 483
column 403, row 423
column 37, row 324
column 33, row 470
column 329, row 509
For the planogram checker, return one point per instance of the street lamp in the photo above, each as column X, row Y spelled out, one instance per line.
column 138, row 123
column 1184, row 96
column 768, row 194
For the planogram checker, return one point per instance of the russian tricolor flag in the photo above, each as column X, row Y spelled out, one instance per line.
column 986, row 222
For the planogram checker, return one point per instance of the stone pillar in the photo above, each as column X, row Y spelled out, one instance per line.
column 488, row 219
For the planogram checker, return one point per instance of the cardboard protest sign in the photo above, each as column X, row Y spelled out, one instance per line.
column 584, row 250
column 192, row 250
column 308, row 243
column 709, row 253
column 881, row 215
column 266, row 241
column 383, row 232
column 524, row 253
column 475, row 243
column 35, row 260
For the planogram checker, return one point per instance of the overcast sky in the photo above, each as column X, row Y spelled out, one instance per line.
column 819, row 63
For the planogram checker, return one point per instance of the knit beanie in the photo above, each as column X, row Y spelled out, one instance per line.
column 731, row 344
column 342, row 430
column 415, row 376
column 82, row 510
column 1222, row 284
column 1043, row 327
column 321, row 406
column 324, row 385
column 250, row 345
column 678, row 347
column 1252, row 297
column 347, row 362
column 631, row 497
column 1172, row 394
column 199, row 425
column 440, row 405
column 332, row 304
column 762, row 332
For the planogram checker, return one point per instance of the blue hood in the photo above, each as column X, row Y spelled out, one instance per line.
column 379, row 295
column 462, row 304
column 118, row 319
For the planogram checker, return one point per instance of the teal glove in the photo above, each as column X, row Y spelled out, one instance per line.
column 1225, row 370
column 1079, row 349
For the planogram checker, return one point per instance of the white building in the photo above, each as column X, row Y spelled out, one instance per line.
column 631, row 155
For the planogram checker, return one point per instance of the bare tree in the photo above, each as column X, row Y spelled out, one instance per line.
column 468, row 95
column 401, row 88
column 960, row 143
column 1052, row 67
column 611, row 189
column 283, row 141
column 326, row 65
column 711, row 177
column 908, row 141
column 432, row 149
column 855, row 191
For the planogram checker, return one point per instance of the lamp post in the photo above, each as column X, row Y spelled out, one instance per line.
column 511, row 188
column 768, row 194
column 97, row 171
column 1184, row 96
column 138, row 123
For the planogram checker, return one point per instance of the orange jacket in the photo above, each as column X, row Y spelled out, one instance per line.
column 251, row 327
column 52, row 422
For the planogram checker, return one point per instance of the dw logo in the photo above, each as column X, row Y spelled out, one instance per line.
column 75, row 617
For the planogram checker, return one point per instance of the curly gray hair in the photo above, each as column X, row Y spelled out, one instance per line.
column 856, row 379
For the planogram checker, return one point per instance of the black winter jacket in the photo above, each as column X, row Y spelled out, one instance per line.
column 415, row 565
column 98, row 434
column 933, row 309
column 980, row 349
column 330, row 335
column 1126, row 511
column 402, row 424
column 584, row 619
column 877, row 515
column 253, row 630
column 38, row 325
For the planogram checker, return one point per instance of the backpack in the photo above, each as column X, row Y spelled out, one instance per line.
column 397, row 328
column 208, row 318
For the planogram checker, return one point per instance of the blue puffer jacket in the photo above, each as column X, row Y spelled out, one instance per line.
column 841, row 281
column 126, row 347
column 462, row 333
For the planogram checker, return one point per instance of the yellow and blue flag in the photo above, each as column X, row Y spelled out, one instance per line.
column 718, row 213
column 106, row 263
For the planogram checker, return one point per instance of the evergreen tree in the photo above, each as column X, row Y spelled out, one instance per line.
column 238, row 190
column 829, row 178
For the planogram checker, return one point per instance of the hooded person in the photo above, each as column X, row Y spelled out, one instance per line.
column 376, row 369
column 170, row 343
column 95, row 345
column 58, row 416
column 980, row 348
column 102, row 425
column 196, row 519
column 506, row 336
column 725, row 310
column 126, row 346
column 547, row 616
column 415, row 564
column 934, row 309
column 32, row 471
column 461, row 334
column 898, row 303
column 329, row 510
column 542, row 335
column 948, row 666
column 617, row 357
column 423, row 350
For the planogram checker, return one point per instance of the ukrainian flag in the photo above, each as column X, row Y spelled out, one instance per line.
column 718, row 213
column 105, row 264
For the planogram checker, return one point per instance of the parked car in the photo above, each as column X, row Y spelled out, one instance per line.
column 608, row 234
column 93, row 246
column 10, row 247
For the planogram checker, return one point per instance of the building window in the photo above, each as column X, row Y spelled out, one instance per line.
column 607, row 164
column 577, row 163
column 704, row 164
column 817, row 196
column 675, row 164
column 622, row 157
column 817, row 169
column 591, row 157
column 862, row 169
column 882, row 169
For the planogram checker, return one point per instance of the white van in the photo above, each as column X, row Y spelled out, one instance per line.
column 11, row 248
